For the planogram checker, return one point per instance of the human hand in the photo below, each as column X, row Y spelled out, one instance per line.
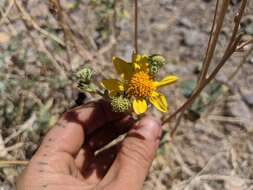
column 65, row 161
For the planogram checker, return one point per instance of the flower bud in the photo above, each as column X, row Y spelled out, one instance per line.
column 155, row 63
column 158, row 60
column 120, row 104
column 83, row 80
column 153, row 69
column 84, row 75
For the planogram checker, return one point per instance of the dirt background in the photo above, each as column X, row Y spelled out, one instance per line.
column 213, row 147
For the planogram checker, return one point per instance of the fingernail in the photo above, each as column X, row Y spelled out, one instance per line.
column 149, row 128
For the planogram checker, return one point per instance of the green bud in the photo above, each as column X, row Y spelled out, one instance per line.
column 157, row 59
column 155, row 63
column 84, row 75
column 153, row 69
column 120, row 104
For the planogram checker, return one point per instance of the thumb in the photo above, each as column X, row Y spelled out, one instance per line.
column 136, row 154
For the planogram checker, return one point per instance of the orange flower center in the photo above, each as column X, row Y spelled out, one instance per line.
column 140, row 85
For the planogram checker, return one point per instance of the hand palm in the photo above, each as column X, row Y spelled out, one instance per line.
column 64, row 162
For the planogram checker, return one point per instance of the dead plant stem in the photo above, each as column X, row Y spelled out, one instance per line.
column 214, row 36
column 136, row 25
column 27, row 17
column 231, row 48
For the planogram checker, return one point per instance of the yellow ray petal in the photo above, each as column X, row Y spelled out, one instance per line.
column 166, row 81
column 122, row 67
column 113, row 85
column 159, row 101
column 140, row 62
column 140, row 106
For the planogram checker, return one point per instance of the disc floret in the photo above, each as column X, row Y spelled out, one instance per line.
column 140, row 85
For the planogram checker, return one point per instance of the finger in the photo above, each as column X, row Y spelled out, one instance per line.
column 92, row 115
column 102, row 137
column 96, row 168
column 108, row 133
column 135, row 156
column 68, row 135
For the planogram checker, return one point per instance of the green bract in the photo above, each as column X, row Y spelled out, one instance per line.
column 84, row 79
column 155, row 63
column 120, row 104
column 84, row 75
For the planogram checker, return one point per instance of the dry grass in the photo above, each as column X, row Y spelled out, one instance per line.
column 44, row 42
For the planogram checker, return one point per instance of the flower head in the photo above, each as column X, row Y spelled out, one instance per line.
column 137, row 82
column 120, row 104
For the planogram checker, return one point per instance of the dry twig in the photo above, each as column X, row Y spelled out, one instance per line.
column 136, row 25
column 28, row 18
column 231, row 48
column 5, row 163
column 68, row 35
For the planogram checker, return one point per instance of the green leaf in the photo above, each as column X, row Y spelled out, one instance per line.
column 87, row 88
column 186, row 87
column 164, row 141
column 249, row 29
column 208, row 96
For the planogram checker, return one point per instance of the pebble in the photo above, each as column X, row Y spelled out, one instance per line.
column 238, row 109
column 191, row 37
column 235, row 2
column 251, row 61
column 185, row 22
column 248, row 97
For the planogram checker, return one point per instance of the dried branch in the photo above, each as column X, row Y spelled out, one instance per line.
column 28, row 124
column 136, row 25
column 27, row 17
column 231, row 48
column 5, row 163
column 41, row 45
column 6, row 13
column 214, row 36
column 241, row 64
column 244, row 44
column 68, row 35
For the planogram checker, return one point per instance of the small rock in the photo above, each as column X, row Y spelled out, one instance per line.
column 192, row 37
column 249, row 29
column 238, row 109
column 4, row 37
column 247, row 97
column 42, row 7
column 235, row 2
column 32, row 69
column 251, row 61
column 185, row 22
column 167, row 3
column 5, row 186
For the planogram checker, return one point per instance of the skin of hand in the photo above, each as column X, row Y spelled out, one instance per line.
column 66, row 159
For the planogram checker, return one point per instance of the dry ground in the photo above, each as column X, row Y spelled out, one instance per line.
column 41, row 48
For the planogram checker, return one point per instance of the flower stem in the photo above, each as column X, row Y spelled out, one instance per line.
column 136, row 26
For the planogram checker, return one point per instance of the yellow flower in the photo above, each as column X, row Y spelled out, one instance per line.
column 137, row 84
